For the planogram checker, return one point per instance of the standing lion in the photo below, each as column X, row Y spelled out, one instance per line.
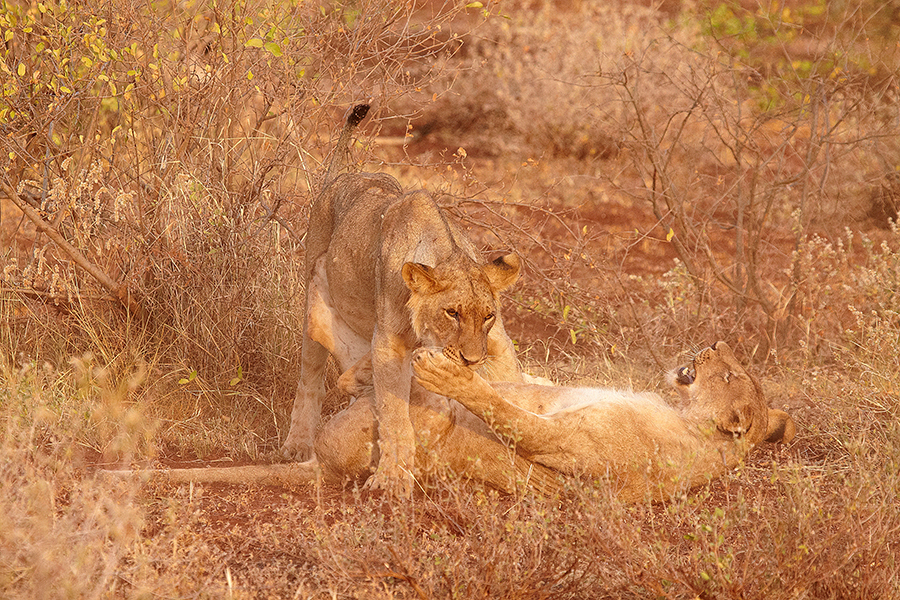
column 388, row 272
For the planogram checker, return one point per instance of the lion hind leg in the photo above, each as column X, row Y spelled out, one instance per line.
column 346, row 446
column 307, row 408
column 324, row 333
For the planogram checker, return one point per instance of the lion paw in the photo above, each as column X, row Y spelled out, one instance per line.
column 437, row 373
column 297, row 449
column 396, row 482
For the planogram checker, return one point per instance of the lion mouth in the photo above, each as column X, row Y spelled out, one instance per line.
column 733, row 433
column 457, row 357
column 686, row 375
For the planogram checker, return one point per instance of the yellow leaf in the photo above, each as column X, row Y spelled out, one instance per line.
column 254, row 43
column 21, row 70
column 670, row 235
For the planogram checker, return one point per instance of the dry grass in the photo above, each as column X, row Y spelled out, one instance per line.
column 649, row 227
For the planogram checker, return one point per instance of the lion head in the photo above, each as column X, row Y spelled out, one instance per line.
column 455, row 304
column 720, row 390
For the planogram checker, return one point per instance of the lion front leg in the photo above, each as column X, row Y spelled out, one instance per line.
column 392, row 376
column 501, row 364
column 532, row 433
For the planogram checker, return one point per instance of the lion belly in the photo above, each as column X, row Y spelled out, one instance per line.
column 328, row 326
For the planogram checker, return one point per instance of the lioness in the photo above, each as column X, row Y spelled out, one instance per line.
column 387, row 272
column 643, row 446
column 529, row 434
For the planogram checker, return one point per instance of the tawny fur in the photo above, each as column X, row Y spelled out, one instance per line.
column 513, row 435
column 642, row 446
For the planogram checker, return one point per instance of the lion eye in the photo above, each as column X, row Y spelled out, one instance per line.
column 452, row 313
column 490, row 317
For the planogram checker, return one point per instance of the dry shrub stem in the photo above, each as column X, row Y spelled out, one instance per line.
column 118, row 290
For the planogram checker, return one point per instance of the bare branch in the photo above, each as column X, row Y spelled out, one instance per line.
column 120, row 291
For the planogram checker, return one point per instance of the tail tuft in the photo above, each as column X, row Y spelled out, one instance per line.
column 358, row 113
column 341, row 150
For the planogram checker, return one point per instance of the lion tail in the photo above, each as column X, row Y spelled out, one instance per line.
column 283, row 474
column 342, row 148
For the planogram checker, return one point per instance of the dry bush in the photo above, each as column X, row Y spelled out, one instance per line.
column 526, row 82
column 64, row 534
column 164, row 157
column 740, row 130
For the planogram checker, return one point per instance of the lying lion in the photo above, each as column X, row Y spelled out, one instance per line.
column 509, row 434
column 645, row 448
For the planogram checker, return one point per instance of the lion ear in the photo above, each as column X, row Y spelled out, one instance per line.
column 781, row 428
column 420, row 279
column 503, row 271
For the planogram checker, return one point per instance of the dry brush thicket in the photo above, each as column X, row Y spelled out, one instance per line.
column 720, row 170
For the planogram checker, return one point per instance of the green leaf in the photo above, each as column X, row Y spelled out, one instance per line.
column 273, row 49
column 240, row 377
column 254, row 43
column 474, row 5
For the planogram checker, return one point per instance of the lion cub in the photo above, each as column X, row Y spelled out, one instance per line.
column 388, row 272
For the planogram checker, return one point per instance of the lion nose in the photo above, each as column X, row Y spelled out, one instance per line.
column 466, row 361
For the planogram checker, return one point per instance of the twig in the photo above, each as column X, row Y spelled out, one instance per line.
column 54, row 297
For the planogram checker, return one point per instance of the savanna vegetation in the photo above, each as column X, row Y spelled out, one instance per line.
column 671, row 172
